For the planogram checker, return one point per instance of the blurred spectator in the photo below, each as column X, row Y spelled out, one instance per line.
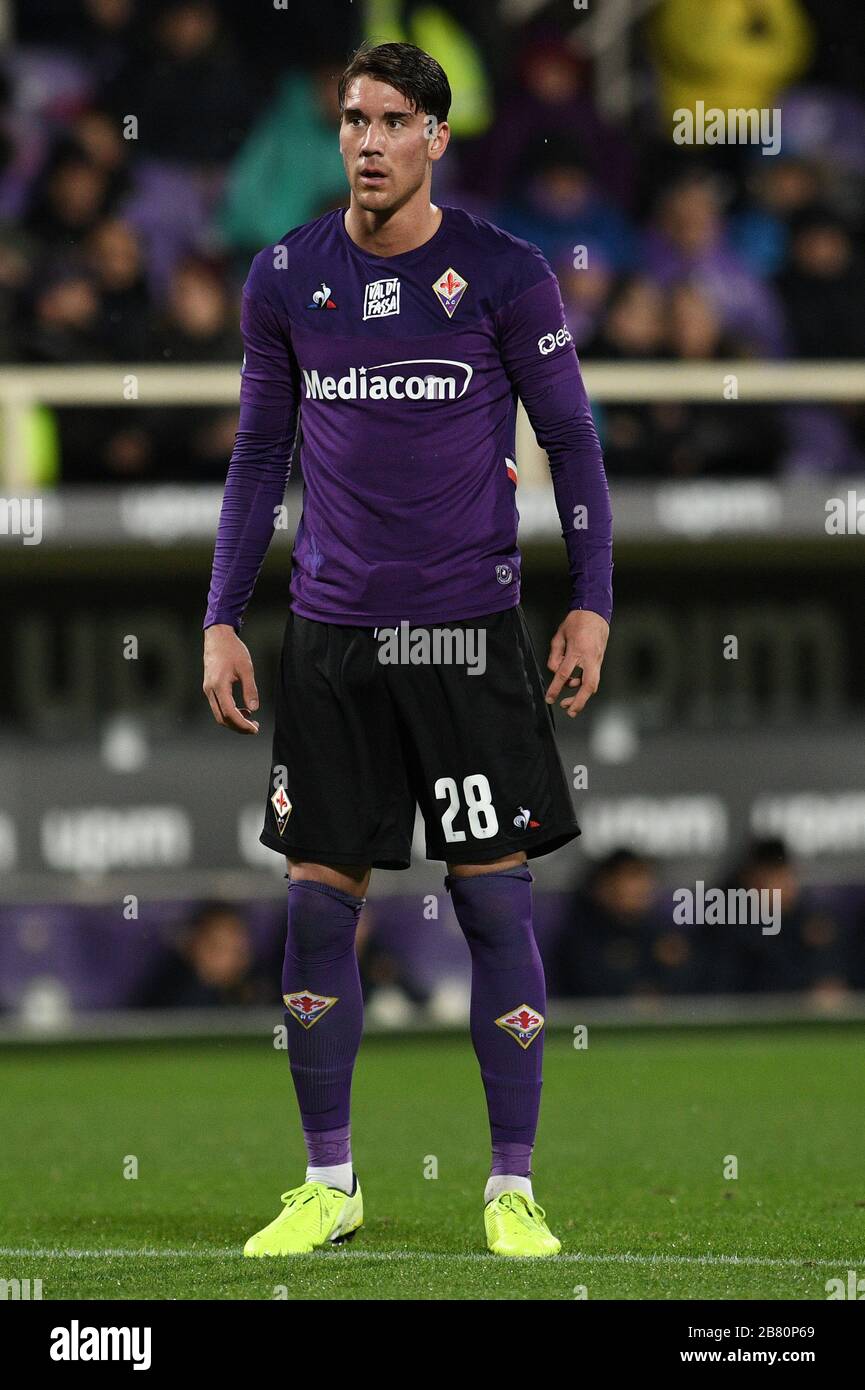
column 585, row 291
column 64, row 318
column 633, row 326
column 778, row 189
column 120, row 445
column 71, row 196
column 822, row 440
column 98, row 137
column 733, row 55
column 823, row 288
column 557, row 205
column 689, row 241
column 200, row 321
column 827, row 125
column 190, row 96
column 733, row 438
column 607, row 945
column 299, row 36
column 668, row 438
column 840, row 42
column 288, row 164
column 185, row 101
column 809, row 951
column 113, row 254
column 694, row 325
column 199, row 324
column 550, row 99
column 15, row 269
column 99, row 32
column 213, row 966
column 384, row 977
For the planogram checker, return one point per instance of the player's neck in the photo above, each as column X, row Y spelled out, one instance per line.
column 392, row 234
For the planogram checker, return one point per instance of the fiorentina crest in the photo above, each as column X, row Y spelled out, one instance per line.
column 449, row 289
column 522, row 1023
column 281, row 808
column 307, row 1007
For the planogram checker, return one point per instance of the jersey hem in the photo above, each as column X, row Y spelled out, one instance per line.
column 393, row 620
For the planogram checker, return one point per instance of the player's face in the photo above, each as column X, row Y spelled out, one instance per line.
column 385, row 145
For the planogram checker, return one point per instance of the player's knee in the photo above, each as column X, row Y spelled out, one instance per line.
column 348, row 878
column 494, row 913
column 511, row 943
column 507, row 864
column 322, row 923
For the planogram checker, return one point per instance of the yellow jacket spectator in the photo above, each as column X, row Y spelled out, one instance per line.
column 728, row 53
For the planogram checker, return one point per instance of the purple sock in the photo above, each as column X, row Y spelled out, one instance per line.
column 326, row 1148
column 508, row 1005
column 323, row 1013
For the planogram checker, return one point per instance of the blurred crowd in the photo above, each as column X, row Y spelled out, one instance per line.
column 148, row 150
column 619, row 934
column 215, row 962
column 615, row 937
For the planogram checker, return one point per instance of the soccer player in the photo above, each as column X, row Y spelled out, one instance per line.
column 399, row 335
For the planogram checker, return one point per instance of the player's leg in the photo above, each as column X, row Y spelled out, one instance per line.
column 320, row 976
column 338, row 803
column 493, row 792
column 323, row 1015
column 493, row 905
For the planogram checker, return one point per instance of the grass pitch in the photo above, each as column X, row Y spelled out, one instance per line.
column 635, row 1132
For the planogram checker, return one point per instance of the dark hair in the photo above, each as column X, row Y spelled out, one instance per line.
column 621, row 858
column 816, row 217
column 208, row 912
column 406, row 68
column 768, row 850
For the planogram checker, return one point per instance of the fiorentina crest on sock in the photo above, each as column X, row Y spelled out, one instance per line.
column 307, row 1007
column 522, row 1023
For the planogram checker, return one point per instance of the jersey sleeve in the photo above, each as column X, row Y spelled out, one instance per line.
column 541, row 362
column 260, row 462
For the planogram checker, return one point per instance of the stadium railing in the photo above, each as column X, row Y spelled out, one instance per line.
column 733, row 381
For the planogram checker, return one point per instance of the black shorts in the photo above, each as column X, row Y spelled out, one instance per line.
column 362, row 735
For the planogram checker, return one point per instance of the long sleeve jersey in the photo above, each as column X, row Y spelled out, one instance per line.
column 398, row 378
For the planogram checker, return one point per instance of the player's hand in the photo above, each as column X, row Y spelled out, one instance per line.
column 227, row 660
column 576, row 653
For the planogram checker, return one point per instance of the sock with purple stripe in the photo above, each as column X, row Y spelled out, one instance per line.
column 495, row 913
column 324, row 1021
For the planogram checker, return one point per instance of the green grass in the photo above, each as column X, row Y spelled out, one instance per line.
column 634, row 1132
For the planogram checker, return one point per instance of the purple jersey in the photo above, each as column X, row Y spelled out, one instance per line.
column 404, row 372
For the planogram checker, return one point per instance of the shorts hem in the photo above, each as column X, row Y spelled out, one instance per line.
column 332, row 857
column 533, row 849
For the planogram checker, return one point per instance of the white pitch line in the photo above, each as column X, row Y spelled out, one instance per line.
column 217, row 1252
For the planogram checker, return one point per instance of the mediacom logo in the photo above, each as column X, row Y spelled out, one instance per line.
column 369, row 383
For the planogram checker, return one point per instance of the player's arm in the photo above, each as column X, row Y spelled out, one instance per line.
column 254, row 491
column 542, row 364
